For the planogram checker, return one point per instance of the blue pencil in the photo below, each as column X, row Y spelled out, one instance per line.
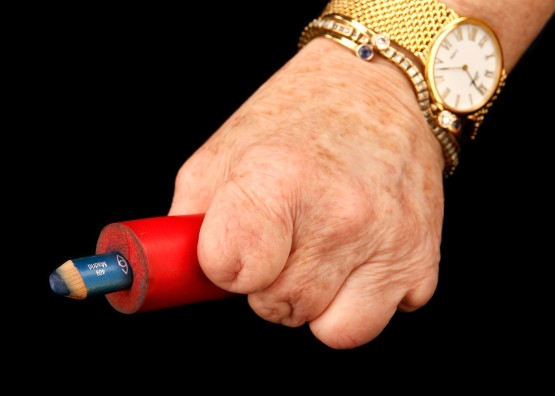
column 92, row 275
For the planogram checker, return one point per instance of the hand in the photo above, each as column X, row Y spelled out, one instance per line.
column 323, row 197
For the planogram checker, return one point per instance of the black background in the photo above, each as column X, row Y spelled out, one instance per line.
column 111, row 103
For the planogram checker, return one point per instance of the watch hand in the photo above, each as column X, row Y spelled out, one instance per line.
column 476, row 75
column 472, row 80
column 450, row 67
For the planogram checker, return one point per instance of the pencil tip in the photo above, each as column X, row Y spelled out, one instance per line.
column 57, row 284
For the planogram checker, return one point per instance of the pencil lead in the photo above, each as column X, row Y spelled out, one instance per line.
column 57, row 284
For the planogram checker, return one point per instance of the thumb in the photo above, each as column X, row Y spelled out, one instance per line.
column 245, row 238
column 195, row 184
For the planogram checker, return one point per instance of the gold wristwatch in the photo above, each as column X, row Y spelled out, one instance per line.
column 461, row 57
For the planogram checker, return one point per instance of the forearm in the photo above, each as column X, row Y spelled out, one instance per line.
column 516, row 22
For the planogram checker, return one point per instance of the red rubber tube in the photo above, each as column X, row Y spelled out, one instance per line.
column 162, row 252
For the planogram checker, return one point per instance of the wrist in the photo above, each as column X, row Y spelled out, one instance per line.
column 446, row 48
column 384, row 97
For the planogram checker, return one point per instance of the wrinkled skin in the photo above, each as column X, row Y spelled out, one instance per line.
column 323, row 196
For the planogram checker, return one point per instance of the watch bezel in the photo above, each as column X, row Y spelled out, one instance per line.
column 434, row 47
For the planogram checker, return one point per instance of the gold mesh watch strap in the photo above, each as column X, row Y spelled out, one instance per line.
column 412, row 24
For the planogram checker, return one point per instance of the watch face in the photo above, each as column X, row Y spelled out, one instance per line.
column 465, row 65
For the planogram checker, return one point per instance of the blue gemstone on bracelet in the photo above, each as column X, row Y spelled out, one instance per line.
column 365, row 52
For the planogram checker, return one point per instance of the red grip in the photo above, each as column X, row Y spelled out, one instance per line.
column 162, row 252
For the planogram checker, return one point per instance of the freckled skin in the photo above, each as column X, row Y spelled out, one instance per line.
column 323, row 192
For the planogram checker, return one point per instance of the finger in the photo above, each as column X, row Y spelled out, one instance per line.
column 421, row 294
column 245, row 238
column 359, row 312
column 303, row 290
column 195, row 183
column 366, row 303
column 324, row 254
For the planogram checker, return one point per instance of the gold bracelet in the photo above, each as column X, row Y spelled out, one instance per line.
column 364, row 43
